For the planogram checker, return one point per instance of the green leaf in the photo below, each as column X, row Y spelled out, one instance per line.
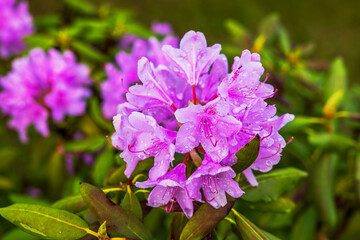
column 281, row 205
column 332, row 141
column 272, row 185
column 88, row 51
column 18, row 198
column 204, row 220
column 6, row 183
column 247, row 155
column 89, row 144
column 357, row 175
column 238, row 32
column 284, row 41
column 323, row 187
column 45, row 222
column 103, row 164
column 119, row 222
column 337, row 78
column 177, row 226
column 72, row 204
column 17, row 234
column 56, row 171
column 7, row 155
column 118, row 175
column 332, row 103
column 305, row 226
column 40, row 40
column 81, row 6
column 131, row 203
column 96, row 114
column 250, row 231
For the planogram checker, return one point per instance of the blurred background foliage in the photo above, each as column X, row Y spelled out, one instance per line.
column 311, row 51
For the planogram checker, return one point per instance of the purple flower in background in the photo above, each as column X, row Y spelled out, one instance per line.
column 15, row 24
column 215, row 180
column 162, row 28
column 41, row 85
column 169, row 188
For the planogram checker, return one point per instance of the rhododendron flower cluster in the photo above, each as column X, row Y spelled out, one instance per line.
column 43, row 84
column 15, row 24
column 186, row 102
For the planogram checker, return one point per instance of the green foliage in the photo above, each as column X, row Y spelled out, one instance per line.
column 45, row 222
column 247, row 155
column 204, row 220
column 273, row 185
column 119, row 222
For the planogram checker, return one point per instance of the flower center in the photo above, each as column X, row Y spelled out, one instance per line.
column 206, row 129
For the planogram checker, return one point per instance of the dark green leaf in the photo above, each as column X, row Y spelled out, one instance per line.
column 89, row 144
column 103, row 164
column 281, row 205
column 331, row 141
column 88, row 51
column 305, row 226
column 119, row 222
column 7, row 155
column 81, row 6
column 272, row 185
column 284, row 41
column 247, row 155
column 323, row 186
column 250, row 231
column 132, row 204
column 177, row 225
column 357, row 175
column 118, row 175
column 204, row 220
column 45, row 222
column 72, row 204
column 18, row 198
column 6, row 183
column 96, row 114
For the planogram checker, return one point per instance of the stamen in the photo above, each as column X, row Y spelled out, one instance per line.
column 292, row 138
column 186, row 157
column 266, row 78
column 168, row 210
column 271, row 94
column 172, row 200
column 274, row 153
column 194, row 93
column 116, row 146
column 201, row 150
column 212, row 142
column 173, row 106
column 204, row 190
column 271, row 130
column 143, row 151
